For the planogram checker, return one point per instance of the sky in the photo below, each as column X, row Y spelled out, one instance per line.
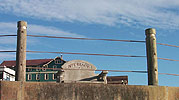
column 99, row 19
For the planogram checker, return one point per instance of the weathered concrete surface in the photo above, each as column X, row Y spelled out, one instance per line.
column 84, row 91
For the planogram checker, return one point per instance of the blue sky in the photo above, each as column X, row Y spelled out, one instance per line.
column 109, row 19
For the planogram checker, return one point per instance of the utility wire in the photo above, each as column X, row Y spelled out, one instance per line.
column 7, row 35
column 169, row 74
column 167, row 59
column 84, row 54
column 168, row 45
column 56, row 69
column 91, row 54
column 91, row 39
column 85, row 38
column 7, row 51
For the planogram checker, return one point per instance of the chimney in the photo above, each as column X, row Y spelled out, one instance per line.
column 61, row 56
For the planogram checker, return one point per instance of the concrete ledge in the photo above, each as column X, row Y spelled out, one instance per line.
column 84, row 91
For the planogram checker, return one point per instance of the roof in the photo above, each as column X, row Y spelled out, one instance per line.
column 28, row 62
column 117, row 78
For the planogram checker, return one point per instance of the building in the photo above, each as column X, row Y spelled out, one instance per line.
column 39, row 70
column 58, row 70
column 7, row 74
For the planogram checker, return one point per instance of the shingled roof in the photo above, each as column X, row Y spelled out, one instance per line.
column 28, row 62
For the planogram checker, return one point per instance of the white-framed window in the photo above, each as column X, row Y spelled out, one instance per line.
column 37, row 76
column 29, row 76
column 54, row 76
column 54, row 67
column 29, row 69
column 38, row 68
column 8, row 77
column 46, row 76
column 44, row 67
column 58, row 61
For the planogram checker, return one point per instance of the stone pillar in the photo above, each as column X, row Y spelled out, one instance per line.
column 152, row 64
column 21, row 51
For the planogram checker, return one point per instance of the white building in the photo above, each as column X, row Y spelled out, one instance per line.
column 7, row 74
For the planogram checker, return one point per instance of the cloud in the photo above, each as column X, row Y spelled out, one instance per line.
column 158, row 13
column 11, row 28
column 48, row 30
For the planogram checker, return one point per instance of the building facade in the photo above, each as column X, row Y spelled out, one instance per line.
column 39, row 70
column 7, row 74
column 58, row 70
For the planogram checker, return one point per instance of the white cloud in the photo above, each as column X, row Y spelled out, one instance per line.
column 48, row 30
column 11, row 28
column 158, row 13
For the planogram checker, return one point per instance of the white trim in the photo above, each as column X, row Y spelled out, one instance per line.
column 37, row 76
column 44, row 67
column 46, row 76
column 29, row 76
column 7, row 70
column 53, row 76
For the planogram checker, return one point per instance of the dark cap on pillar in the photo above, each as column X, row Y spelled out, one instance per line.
column 22, row 24
column 150, row 31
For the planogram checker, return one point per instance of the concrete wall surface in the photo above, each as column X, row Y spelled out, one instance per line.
column 84, row 91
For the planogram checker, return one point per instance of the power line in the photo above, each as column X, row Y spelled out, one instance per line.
column 84, row 54
column 167, row 59
column 84, row 38
column 91, row 39
column 7, row 51
column 7, row 35
column 91, row 54
column 168, row 45
column 169, row 74
column 56, row 69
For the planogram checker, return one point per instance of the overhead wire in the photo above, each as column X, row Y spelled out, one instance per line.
column 167, row 59
column 85, row 38
column 7, row 35
column 85, row 54
column 93, row 54
column 168, row 45
column 99, row 54
column 91, row 39
column 57, row 69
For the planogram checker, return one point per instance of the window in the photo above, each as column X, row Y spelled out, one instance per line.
column 37, row 76
column 7, row 77
column 29, row 69
column 46, row 76
column 54, row 76
column 38, row 68
column 29, row 76
column 44, row 67
column 54, row 67
column 58, row 61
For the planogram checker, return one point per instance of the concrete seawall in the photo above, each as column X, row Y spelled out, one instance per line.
column 85, row 91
